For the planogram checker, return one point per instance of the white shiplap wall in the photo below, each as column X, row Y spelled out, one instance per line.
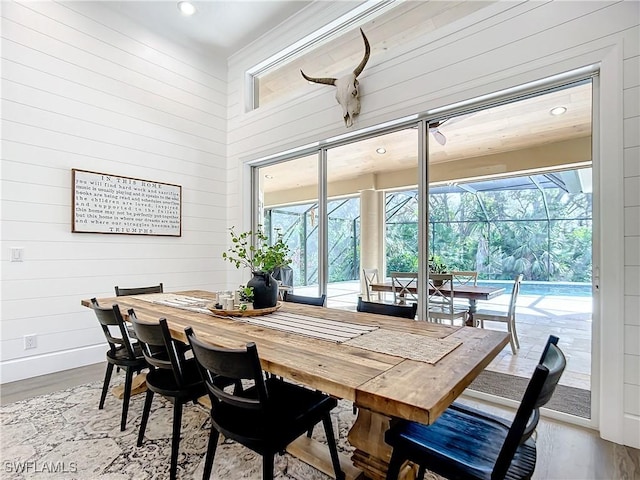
column 506, row 44
column 85, row 88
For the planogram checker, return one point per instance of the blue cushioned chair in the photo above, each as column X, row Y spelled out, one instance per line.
column 465, row 443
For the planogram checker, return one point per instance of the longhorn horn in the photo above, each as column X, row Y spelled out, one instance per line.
column 365, row 59
column 326, row 81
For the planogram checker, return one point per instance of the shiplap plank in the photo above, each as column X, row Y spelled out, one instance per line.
column 632, row 221
column 631, row 76
column 632, row 162
column 70, row 318
column 631, row 132
column 81, row 247
column 51, row 268
column 632, row 369
column 100, row 149
column 632, row 399
column 90, row 284
column 632, row 251
column 631, row 101
column 631, row 187
column 631, row 309
column 632, row 287
column 60, row 231
column 201, row 177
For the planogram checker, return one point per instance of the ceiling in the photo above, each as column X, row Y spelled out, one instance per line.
column 219, row 26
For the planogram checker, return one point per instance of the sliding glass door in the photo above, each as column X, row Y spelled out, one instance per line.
column 288, row 207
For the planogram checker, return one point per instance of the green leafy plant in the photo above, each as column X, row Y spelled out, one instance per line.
column 436, row 265
column 246, row 294
column 251, row 249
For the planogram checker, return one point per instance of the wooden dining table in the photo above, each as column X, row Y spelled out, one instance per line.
column 472, row 293
column 327, row 349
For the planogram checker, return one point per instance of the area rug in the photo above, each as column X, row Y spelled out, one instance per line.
column 64, row 436
column 571, row 400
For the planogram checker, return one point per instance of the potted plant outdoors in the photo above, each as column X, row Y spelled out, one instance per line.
column 252, row 250
column 436, row 265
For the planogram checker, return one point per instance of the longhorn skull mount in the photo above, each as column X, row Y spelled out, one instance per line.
column 347, row 92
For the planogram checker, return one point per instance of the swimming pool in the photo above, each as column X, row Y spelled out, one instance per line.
column 569, row 289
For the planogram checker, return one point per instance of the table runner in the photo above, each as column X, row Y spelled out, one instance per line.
column 405, row 345
column 184, row 302
column 321, row 328
column 315, row 327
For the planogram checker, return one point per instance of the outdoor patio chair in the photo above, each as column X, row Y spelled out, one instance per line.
column 263, row 414
column 403, row 285
column 120, row 292
column 465, row 443
column 508, row 317
column 317, row 301
column 371, row 276
column 463, row 277
column 441, row 299
column 122, row 353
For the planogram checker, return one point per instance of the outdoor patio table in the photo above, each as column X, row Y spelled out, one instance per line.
column 327, row 349
column 472, row 293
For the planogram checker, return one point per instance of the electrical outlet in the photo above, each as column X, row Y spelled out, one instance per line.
column 30, row 342
column 17, row 254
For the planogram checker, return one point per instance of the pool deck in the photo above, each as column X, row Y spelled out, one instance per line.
column 537, row 317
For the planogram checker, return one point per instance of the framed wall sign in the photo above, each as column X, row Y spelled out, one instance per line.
column 105, row 203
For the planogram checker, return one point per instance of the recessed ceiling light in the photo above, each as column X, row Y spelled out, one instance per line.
column 186, row 8
column 381, row 150
column 558, row 111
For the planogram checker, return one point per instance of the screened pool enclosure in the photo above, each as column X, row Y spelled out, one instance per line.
column 539, row 225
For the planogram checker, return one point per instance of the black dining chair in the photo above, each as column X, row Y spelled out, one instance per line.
column 170, row 375
column 317, row 301
column 263, row 414
column 120, row 292
column 393, row 310
column 122, row 353
column 465, row 443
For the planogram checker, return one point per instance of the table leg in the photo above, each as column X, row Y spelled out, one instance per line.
column 372, row 454
column 473, row 306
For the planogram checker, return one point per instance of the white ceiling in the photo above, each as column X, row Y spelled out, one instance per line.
column 219, row 26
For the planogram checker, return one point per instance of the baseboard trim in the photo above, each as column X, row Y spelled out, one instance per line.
column 36, row 365
column 632, row 431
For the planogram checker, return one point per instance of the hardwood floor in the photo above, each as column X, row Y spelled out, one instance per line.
column 53, row 382
column 565, row 452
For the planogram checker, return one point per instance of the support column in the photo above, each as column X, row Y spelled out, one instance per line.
column 371, row 233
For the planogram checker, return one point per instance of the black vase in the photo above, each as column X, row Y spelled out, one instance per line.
column 265, row 290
